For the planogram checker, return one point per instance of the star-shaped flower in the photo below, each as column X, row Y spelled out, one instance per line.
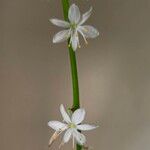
column 74, row 26
column 72, row 125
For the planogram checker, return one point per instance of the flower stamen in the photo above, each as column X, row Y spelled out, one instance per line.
column 55, row 136
column 73, row 143
column 62, row 143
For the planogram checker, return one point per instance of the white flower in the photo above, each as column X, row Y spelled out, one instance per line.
column 72, row 125
column 74, row 26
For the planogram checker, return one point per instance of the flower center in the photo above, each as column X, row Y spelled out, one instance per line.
column 72, row 125
column 73, row 26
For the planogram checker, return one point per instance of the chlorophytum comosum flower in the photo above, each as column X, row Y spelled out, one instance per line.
column 73, row 27
column 71, row 125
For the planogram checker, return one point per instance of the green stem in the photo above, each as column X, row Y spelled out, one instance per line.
column 74, row 73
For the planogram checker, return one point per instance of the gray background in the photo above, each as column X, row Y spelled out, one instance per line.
column 114, row 74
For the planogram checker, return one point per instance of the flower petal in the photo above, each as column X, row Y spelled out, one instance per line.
column 74, row 14
column 85, row 127
column 56, row 125
column 67, row 135
column 60, row 23
column 74, row 40
column 80, row 138
column 85, row 16
column 78, row 116
column 61, row 36
column 88, row 31
column 64, row 114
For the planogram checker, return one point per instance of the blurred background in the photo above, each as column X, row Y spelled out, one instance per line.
column 114, row 74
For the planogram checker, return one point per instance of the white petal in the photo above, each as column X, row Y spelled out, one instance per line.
column 56, row 125
column 78, row 116
column 64, row 114
column 85, row 16
column 61, row 36
column 67, row 135
column 74, row 41
column 60, row 23
column 74, row 14
column 80, row 138
column 85, row 127
column 88, row 31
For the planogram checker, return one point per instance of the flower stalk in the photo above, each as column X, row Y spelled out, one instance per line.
column 74, row 73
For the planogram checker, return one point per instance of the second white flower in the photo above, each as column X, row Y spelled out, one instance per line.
column 72, row 126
